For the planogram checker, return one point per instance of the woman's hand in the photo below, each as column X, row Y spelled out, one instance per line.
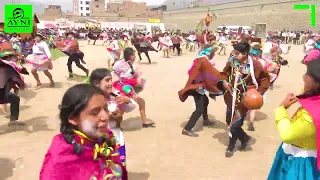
column 289, row 100
column 122, row 100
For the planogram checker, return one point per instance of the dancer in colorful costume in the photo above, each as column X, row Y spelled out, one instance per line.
column 86, row 148
column 130, row 82
column 297, row 156
column 165, row 43
column 314, row 53
column 272, row 55
column 143, row 45
column 207, row 21
column 40, row 59
column 243, row 73
column 117, row 105
column 74, row 53
column 200, row 98
column 10, row 77
column 114, row 51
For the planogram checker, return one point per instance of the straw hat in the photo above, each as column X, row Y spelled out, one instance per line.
column 255, row 45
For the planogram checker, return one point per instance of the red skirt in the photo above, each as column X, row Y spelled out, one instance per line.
column 124, row 83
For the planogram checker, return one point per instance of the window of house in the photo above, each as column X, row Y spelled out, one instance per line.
column 97, row 6
column 80, row 2
column 87, row 8
column 81, row 14
column 87, row 14
column 81, row 8
column 87, row 2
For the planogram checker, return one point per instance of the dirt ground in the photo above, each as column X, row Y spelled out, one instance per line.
column 160, row 153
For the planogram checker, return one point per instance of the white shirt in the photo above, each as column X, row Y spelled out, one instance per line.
column 115, row 45
column 41, row 48
column 167, row 40
column 223, row 40
column 192, row 37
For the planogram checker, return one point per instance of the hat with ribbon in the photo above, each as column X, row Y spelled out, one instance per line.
column 6, row 49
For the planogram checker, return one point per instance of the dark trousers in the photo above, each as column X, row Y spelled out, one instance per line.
column 13, row 100
column 236, row 130
column 177, row 46
column 75, row 57
column 146, row 53
column 201, row 102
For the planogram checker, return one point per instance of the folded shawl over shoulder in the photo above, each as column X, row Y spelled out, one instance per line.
column 312, row 104
column 62, row 163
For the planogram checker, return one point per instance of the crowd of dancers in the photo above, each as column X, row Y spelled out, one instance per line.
column 91, row 138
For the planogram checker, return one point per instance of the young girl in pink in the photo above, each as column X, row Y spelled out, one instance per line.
column 130, row 82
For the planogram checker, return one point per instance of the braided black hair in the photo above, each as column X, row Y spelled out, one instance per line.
column 311, row 93
column 126, row 55
column 73, row 102
column 98, row 74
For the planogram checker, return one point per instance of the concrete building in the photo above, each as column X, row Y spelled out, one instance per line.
column 184, row 4
column 127, row 8
column 81, row 7
column 109, row 7
column 277, row 14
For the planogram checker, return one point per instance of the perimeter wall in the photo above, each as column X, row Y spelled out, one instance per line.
column 277, row 14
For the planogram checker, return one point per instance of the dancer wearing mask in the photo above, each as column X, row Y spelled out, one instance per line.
column 40, row 60
column 297, row 156
column 85, row 148
column 250, row 74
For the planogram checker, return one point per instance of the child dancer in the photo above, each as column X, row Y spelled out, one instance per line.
column 130, row 83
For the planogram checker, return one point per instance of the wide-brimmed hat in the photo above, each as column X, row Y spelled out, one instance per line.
column 2, row 34
column 255, row 45
column 6, row 49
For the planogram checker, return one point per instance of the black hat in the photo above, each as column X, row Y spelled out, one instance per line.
column 313, row 69
column 2, row 34
column 242, row 47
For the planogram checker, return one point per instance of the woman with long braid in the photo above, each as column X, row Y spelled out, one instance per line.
column 85, row 148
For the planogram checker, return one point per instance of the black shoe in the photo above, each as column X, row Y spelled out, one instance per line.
column 189, row 133
column 208, row 123
column 229, row 153
column 251, row 126
column 148, row 125
column 245, row 143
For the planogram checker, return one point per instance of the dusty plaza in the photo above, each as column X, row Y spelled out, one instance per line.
column 159, row 153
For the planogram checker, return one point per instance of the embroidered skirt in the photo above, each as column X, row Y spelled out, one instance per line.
column 39, row 62
column 294, row 163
